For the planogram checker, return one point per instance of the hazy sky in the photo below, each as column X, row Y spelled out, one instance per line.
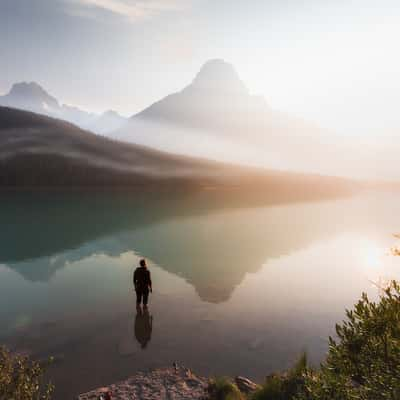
column 334, row 62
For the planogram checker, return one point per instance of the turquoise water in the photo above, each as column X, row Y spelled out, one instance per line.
column 239, row 287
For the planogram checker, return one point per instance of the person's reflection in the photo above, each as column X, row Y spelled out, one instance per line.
column 143, row 326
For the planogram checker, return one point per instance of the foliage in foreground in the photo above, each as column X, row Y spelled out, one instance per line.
column 284, row 386
column 223, row 388
column 22, row 378
column 364, row 363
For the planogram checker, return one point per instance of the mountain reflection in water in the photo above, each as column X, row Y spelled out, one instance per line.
column 196, row 236
column 239, row 286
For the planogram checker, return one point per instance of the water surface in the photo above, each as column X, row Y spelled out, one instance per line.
column 239, row 288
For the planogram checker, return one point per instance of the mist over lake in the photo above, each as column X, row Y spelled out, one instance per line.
column 199, row 200
column 236, row 286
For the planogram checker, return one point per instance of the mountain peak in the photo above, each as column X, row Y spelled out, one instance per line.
column 32, row 92
column 27, row 87
column 111, row 113
column 218, row 75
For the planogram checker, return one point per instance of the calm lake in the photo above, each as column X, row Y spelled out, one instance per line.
column 239, row 287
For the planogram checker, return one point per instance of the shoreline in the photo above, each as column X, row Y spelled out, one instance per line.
column 170, row 383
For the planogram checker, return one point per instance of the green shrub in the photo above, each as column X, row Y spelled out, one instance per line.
column 224, row 389
column 364, row 362
column 284, row 386
column 21, row 378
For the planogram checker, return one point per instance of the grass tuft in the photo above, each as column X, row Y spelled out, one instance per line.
column 284, row 386
column 223, row 388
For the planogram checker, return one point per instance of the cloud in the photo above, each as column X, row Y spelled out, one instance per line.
column 133, row 10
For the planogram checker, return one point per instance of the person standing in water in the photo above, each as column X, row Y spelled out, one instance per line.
column 142, row 283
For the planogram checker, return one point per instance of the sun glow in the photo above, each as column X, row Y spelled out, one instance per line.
column 372, row 255
column 375, row 264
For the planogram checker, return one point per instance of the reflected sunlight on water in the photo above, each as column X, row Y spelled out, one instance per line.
column 234, row 289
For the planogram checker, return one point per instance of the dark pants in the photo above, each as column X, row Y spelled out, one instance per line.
column 142, row 293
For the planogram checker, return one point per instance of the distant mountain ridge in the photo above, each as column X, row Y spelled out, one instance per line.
column 216, row 117
column 30, row 96
column 107, row 122
column 38, row 151
column 216, row 99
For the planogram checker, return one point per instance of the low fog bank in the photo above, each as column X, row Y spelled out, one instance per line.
column 299, row 150
column 40, row 151
column 216, row 117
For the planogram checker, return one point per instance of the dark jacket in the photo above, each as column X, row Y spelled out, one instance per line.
column 142, row 279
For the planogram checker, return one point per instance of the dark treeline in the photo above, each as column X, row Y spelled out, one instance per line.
column 50, row 170
column 38, row 151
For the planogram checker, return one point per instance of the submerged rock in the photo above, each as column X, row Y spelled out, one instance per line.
column 245, row 385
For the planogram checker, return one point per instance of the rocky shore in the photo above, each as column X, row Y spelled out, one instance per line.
column 175, row 383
